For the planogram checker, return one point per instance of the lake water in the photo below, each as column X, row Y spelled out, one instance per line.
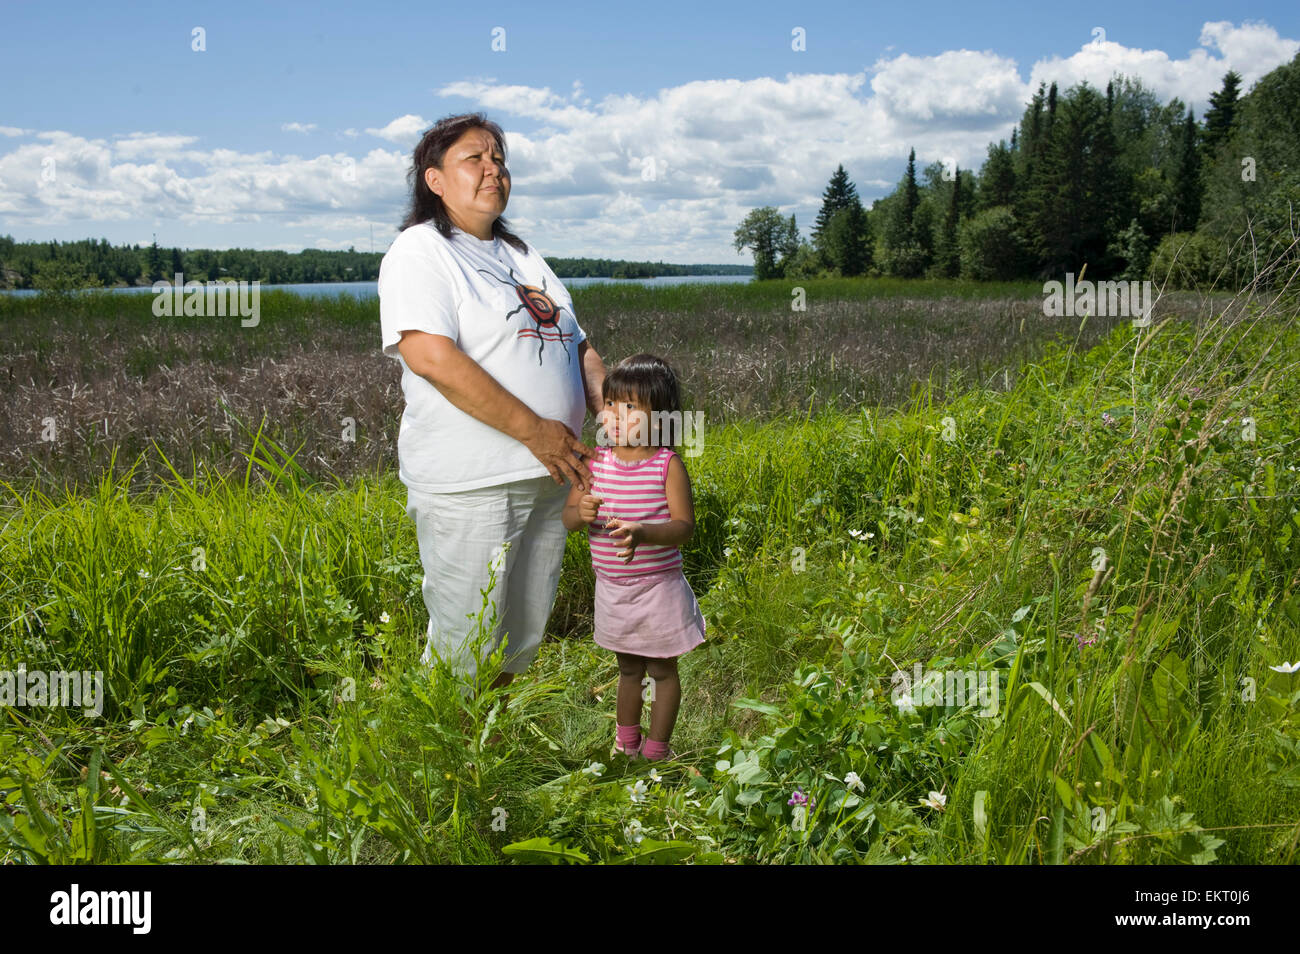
column 371, row 290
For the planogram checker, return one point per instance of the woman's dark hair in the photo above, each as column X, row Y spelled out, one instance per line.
column 651, row 381
column 426, row 205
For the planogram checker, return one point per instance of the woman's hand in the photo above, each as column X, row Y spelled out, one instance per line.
column 463, row 382
column 560, row 451
column 628, row 533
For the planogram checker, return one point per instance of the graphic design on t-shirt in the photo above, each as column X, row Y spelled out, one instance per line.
column 541, row 308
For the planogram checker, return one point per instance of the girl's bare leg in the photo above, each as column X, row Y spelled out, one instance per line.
column 631, row 670
column 667, row 688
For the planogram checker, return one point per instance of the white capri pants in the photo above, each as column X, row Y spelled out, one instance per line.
column 460, row 534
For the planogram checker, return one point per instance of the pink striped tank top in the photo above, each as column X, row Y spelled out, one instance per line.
column 632, row 492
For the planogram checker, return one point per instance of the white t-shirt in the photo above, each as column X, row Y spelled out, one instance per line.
column 473, row 292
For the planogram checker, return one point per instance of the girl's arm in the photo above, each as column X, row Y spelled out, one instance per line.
column 580, row 508
column 570, row 515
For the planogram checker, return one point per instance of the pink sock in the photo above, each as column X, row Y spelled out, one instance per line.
column 654, row 750
column 629, row 735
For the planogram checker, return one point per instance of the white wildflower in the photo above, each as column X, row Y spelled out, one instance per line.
column 936, row 800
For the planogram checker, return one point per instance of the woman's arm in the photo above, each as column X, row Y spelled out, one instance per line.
column 464, row 383
column 593, row 376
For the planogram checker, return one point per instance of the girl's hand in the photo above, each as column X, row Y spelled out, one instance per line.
column 588, row 506
column 628, row 533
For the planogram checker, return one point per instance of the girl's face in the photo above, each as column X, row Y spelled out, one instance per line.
column 627, row 422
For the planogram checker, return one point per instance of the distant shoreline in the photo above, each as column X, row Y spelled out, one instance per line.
column 372, row 286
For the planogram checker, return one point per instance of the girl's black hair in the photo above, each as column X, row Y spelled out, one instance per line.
column 427, row 205
column 651, row 381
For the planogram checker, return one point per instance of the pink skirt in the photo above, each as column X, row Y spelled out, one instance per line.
column 655, row 614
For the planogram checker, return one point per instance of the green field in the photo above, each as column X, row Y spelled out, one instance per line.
column 1096, row 522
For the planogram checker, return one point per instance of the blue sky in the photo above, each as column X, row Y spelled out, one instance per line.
column 642, row 131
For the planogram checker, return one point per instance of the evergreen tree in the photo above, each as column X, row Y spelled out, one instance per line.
column 154, row 262
column 1077, row 209
column 859, row 258
column 1187, row 185
column 847, row 240
column 948, row 253
column 1031, row 132
column 997, row 180
column 1222, row 113
column 907, row 239
column 840, row 193
column 1030, row 208
column 911, row 194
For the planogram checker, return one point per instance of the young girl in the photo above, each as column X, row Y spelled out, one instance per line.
column 638, row 512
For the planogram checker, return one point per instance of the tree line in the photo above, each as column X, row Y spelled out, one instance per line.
column 1133, row 187
column 91, row 263
column 94, row 263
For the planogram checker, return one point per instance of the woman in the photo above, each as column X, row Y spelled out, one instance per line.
column 497, row 376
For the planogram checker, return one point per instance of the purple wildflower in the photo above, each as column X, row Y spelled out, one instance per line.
column 800, row 798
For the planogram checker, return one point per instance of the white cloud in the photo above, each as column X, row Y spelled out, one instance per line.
column 136, row 178
column 297, row 127
column 404, row 130
column 958, row 85
column 1251, row 49
column 137, row 145
column 527, row 101
column 14, row 131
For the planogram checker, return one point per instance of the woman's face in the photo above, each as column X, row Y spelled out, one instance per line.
column 473, row 181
